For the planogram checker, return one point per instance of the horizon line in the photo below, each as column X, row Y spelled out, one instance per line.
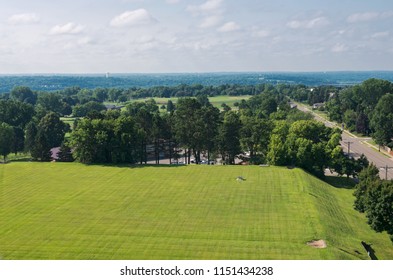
column 179, row 73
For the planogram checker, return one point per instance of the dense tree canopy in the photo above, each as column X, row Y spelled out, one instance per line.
column 382, row 121
column 262, row 129
column 375, row 198
column 6, row 138
column 355, row 106
column 23, row 94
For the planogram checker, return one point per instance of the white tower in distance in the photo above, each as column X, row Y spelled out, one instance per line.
column 107, row 75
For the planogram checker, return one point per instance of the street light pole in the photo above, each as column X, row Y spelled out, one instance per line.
column 349, row 145
column 386, row 170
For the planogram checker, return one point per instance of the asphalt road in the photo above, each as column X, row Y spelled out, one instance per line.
column 358, row 146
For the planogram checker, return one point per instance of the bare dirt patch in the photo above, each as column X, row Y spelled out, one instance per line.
column 320, row 244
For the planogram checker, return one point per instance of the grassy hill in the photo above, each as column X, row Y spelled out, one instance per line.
column 73, row 211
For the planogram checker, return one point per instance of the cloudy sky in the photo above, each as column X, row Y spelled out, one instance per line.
column 139, row 36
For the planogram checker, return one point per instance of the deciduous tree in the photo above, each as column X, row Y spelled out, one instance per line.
column 6, row 138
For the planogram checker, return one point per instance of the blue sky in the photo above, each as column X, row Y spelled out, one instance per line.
column 134, row 36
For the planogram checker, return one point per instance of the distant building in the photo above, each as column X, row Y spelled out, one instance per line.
column 292, row 105
column 55, row 153
column 317, row 105
column 332, row 94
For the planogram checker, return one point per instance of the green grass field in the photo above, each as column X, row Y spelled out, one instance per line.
column 215, row 100
column 74, row 211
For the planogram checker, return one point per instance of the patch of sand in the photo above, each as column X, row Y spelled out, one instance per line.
column 320, row 244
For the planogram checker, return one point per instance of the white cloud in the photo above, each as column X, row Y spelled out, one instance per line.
column 261, row 33
column 172, row 1
column 132, row 18
column 229, row 26
column 28, row 18
column 387, row 14
column 339, row 48
column 354, row 18
column 68, row 28
column 82, row 42
column 308, row 24
column 210, row 21
column 85, row 41
column 380, row 35
column 207, row 7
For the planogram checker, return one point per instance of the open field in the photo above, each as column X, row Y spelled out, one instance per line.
column 215, row 100
column 68, row 120
column 74, row 211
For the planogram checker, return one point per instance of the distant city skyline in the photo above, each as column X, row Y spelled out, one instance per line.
column 173, row 36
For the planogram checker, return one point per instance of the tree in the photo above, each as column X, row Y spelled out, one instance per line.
column 307, row 144
column 225, row 107
column 106, row 141
column 100, row 94
column 277, row 153
column 55, row 102
column 264, row 104
column 254, row 137
column 23, row 94
column 6, row 138
column 114, row 94
column 379, row 209
column 350, row 119
column 41, row 148
column 85, row 95
column 53, row 128
column 41, row 138
column 65, row 153
column 187, row 125
column 367, row 176
column 362, row 124
column 83, row 141
column 18, row 142
column 372, row 90
column 277, row 149
column 374, row 197
column 31, row 133
column 381, row 121
column 334, row 108
column 229, row 137
column 85, row 109
column 209, row 124
column 16, row 113
column 170, row 107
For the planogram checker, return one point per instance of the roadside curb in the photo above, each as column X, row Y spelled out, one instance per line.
column 378, row 150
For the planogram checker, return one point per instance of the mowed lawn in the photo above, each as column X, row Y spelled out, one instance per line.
column 216, row 101
column 74, row 211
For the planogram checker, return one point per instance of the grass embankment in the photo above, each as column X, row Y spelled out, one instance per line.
column 73, row 211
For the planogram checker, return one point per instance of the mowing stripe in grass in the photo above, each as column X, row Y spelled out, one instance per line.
column 74, row 211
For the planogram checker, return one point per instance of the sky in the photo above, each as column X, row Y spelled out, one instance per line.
column 171, row 36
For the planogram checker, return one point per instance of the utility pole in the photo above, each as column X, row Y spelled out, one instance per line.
column 349, row 145
column 386, row 170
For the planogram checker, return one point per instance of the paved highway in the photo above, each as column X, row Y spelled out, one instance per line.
column 358, row 146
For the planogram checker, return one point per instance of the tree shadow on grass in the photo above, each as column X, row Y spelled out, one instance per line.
column 134, row 166
column 370, row 251
column 340, row 182
column 26, row 159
